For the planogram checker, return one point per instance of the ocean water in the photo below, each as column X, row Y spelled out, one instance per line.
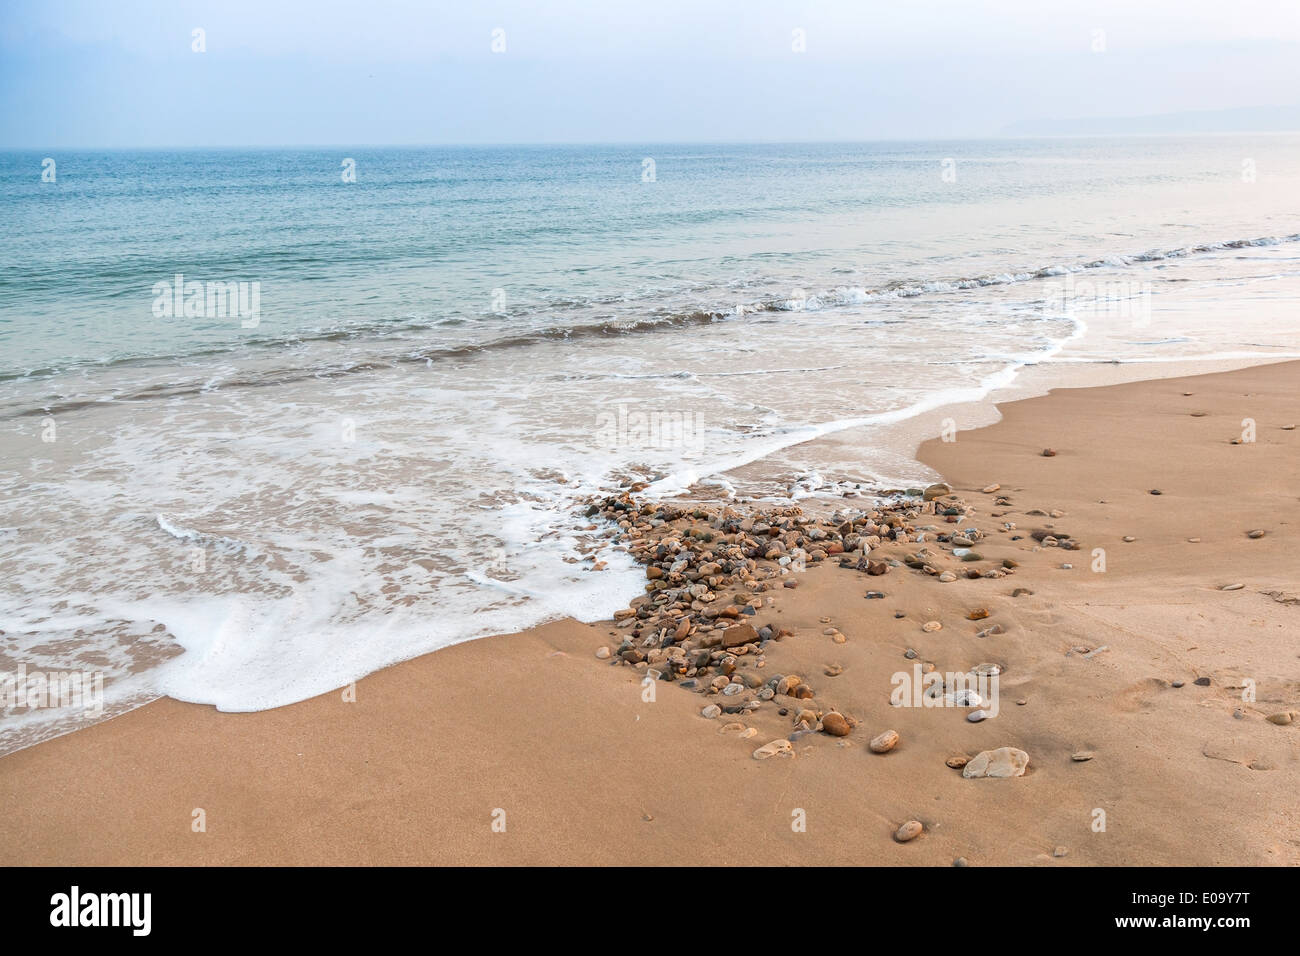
column 380, row 443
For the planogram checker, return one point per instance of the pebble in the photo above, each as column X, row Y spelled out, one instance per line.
column 713, row 710
column 1082, row 756
column 978, row 614
column 1129, row 538
column 1021, row 592
column 1060, row 851
column 910, row 654
column 875, row 595
column 947, row 577
column 1156, row 491
column 989, row 489
column 1282, row 720
column 884, row 743
column 931, row 626
column 958, row 761
column 835, row 724
column 960, row 861
column 1003, row 762
column 1049, row 452
column 1288, row 428
column 1257, row 533
column 908, row 831
column 1231, row 587
column 939, row 490
column 975, row 716
column 989, row 631
column 838, row 638
column 776, row 748
column 603, row 654
column 1177, row 683
column 1202, row 682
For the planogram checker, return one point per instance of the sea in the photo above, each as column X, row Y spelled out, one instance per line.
column 273, row 419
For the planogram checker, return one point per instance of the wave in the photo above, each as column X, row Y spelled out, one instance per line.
column 839, row 297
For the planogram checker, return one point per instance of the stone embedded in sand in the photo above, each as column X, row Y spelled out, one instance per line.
column 938, row 490
column 884, row 743
column 1021, row 592
column 908, row 831
column 835, row 724
column 989, row 489
column 931, row 626
column 978, row 614
column 1082, row 756
column 788, row 683
column 1059, row 852
column 1282, row 719
column 976, row 716
column 1231, row 587
column 1202, row 682
column 1156, row 491
column 957, row 761
column 1257, row 533
column 777, row 748
column 740, row 634
column 802, row 692
column 713, row 710
column 877, row 568
column 732, row 728
column 1049, row 452
column 603, row 653
column 947, row 577
column 1129, row 538
column 1003, row 762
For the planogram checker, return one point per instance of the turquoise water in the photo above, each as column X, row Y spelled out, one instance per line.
column 449, row 354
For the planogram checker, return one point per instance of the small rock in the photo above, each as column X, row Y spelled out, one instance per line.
column 603, row 654
column 713, row 710
column 1231, row 587
column 1082, row 756
column 884, row 743
column 1257, row 533
column 947, row 577
column 958, row 761
column 1156, row 491
column 740, row 634
column 1060, row 851
column 776, row 748
column 1176, row 683
column 989, row 489
column 975, row 716
column 936, row 491
column 960, row 861
column 1049, row 453
column 1129, row 538
column 978, row 614
column 1003, row 762
column 931, row 626
column 908, row 831
column 1202, row 682
column 1282, row 720
column 835, row 724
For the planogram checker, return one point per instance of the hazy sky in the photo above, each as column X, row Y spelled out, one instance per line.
column 305, row 72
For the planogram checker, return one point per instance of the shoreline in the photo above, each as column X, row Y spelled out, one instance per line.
column 413, row 770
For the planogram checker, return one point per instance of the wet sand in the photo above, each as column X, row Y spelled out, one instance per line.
column 532, row 731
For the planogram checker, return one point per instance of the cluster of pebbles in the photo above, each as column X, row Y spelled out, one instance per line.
column 711, row 571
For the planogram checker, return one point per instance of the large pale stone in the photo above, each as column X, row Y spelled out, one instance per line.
column 1003, row 762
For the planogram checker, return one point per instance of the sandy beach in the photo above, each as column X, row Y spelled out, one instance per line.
column 1140, row 681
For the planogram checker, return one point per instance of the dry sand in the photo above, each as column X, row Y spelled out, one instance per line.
column 587, row 772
